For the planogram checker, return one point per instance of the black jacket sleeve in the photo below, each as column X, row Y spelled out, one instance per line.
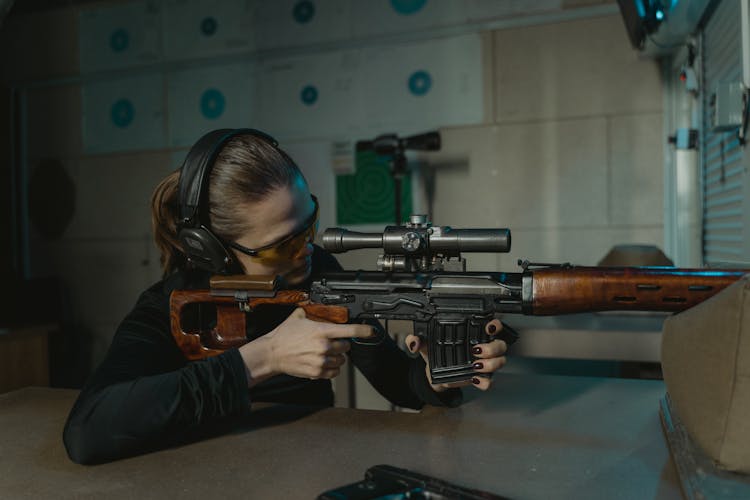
column 144, row 396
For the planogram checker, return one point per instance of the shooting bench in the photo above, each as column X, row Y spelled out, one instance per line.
column 530, row 436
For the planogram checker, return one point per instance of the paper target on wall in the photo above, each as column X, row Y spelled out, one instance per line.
column 288, row 23
column 368, row 195
column 424, row 85
column 119, row 36
column 404, row 16
column 210, row 98
column 206, row 27
column 315, row 96
column 123, row 115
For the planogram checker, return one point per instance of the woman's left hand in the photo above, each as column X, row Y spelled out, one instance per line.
column 489, row 358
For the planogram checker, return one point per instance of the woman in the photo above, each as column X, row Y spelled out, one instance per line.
column 238, row 205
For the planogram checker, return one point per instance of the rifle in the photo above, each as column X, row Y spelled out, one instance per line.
column 422, row 278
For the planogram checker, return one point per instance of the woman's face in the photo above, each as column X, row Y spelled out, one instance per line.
column 282, row 213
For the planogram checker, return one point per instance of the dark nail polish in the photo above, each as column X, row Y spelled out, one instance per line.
column 477, row 350
column 478, row 366
column 475, row 381
column 492, row 328
column 412, row 344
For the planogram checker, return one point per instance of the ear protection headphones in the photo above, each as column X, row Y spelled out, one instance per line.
column 202, row 248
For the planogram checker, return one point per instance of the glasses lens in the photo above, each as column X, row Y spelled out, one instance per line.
column 291, row 247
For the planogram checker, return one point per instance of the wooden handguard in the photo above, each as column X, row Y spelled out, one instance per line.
column 589, row 289
column 230, row 329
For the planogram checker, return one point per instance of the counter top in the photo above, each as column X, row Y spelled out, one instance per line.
column 530, row 436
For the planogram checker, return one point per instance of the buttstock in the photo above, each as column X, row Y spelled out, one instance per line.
column 230, row 329
column 228, row 333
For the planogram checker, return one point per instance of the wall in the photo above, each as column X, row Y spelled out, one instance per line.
column 567, row 152
column 572, row 162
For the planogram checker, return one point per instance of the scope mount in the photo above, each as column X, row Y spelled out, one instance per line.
column 416, row 256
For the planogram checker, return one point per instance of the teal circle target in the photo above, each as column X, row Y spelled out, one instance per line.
column 420, row 82
column 309, row 95
column 122, row 113
column 119, row 40
column 209, row 26
column 407, row 7
column 304, row 11
column 212, row 104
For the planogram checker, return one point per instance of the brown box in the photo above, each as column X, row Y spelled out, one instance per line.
column 706, row 365
column 24, row 357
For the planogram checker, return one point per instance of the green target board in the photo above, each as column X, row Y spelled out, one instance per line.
column 367, row 196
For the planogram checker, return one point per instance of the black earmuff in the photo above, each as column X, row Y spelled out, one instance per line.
column 202, row 248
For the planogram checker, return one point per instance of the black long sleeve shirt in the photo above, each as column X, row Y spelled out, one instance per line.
column 145, row 395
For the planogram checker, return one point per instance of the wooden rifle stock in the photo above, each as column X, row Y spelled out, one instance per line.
column 567, row 290
column 230, row 329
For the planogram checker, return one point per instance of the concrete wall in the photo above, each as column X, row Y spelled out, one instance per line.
column 572, row 162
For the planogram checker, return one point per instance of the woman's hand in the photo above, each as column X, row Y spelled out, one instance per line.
column 302, row 348
column 489, row 358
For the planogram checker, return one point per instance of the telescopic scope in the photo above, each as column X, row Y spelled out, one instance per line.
column 419, row 241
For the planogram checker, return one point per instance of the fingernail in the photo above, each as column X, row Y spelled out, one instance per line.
column 492, row 328
column 412, row 345
column 475, row 381
column 477, row 350
column 478, row 366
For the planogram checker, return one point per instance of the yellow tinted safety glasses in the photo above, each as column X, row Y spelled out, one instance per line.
column 287, row 247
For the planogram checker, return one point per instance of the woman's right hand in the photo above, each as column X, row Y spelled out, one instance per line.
column 302, row 348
